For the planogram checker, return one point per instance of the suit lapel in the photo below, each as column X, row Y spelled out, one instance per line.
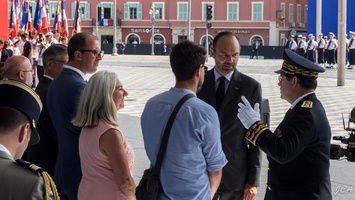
column 210, row 88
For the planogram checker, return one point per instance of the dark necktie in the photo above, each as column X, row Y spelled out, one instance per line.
column 220, row 92
column 351, row 42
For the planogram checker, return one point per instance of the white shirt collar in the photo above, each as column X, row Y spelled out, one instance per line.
column 299, row 99
column 45, row 75
column 217, row 75
column 4, row 149
column 75, row 69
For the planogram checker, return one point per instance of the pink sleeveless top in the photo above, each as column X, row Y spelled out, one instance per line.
column 98, row 181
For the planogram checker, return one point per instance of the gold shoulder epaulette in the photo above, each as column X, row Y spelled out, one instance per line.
column 50, row 189
column 307, row 104
column 30, row 165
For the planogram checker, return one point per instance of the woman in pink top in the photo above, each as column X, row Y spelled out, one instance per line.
column 105, row 155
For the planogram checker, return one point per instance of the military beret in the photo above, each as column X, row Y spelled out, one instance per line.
column 331, row 33
column 300, row 36
column 325, row 37
column 21, row 97
column 320, row 34
column 294, row 64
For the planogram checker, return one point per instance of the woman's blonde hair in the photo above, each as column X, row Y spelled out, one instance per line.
column 96, row 101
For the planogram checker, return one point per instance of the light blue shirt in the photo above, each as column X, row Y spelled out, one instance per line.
column 194, row 146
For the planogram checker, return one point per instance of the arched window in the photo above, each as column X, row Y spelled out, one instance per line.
column 203, row 40
column 159, row 39
column 258, row 38
column 133, row 37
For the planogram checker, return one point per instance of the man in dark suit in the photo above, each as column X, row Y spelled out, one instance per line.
column 298, row 150
column 85, row 53
column 45, row 152
column 240, row 176
column 256, row 46
column 19, row 111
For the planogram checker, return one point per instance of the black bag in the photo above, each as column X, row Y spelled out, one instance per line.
column 149, row 185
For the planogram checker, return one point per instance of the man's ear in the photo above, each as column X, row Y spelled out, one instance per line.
column 24, row 132
column 78, row 55
column 198, row 71
column 21, row 75
column 212, row 52
column 295, row 81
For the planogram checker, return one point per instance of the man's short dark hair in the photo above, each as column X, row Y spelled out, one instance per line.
column 10, row 119
column 221, row 34
column 24, row 35
column 305, row 82
column 185, row 59
column 53, row 52
column 78, row 42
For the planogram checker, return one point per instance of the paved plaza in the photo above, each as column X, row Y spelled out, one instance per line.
column 146, row 76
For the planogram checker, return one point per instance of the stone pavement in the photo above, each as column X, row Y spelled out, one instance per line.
column 146, row 76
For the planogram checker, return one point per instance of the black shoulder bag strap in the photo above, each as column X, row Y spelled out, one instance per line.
column 164, row 141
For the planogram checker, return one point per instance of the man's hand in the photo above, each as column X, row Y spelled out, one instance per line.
column 247, row 115
column 351, row 144
column 249, row 192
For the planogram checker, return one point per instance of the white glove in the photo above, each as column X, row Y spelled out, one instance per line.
column 246, row 114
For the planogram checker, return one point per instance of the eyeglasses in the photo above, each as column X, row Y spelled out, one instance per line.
column 94, row 52
column 61, row 61
column 31, row 70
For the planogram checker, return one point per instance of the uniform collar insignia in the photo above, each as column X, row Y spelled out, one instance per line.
column 307, row 104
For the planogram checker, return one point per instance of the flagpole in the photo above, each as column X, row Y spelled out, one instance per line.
column 114, row 49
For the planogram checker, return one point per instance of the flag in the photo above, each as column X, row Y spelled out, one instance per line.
column 76, row 25
column 37, row 23
column 64, row 30
column 44, row 14
column 13, row 25
column 58, row 18
column 106, row 22
column 18, row 13
column 26, row 20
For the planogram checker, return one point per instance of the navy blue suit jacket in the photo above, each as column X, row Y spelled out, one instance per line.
column 63, row 95
column 298, row 154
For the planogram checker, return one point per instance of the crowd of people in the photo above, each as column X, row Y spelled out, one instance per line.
column 324, row 48
column 216, row 140
column 31, row 46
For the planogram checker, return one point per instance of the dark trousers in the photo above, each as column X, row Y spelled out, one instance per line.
column 320, row 55
column 331, row 57
column 310, row 55
column 300, row 51
column 352, row 56
column 326, row 55
column 255, row 53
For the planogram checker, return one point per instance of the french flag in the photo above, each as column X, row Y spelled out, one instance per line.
column 106, row 22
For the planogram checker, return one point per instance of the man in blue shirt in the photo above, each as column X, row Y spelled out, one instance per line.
column 192, row 166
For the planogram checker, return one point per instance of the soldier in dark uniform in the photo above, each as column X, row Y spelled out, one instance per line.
column 20, row 107
column 298, row 150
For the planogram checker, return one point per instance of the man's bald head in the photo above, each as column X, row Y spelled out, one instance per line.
column 18, row 68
